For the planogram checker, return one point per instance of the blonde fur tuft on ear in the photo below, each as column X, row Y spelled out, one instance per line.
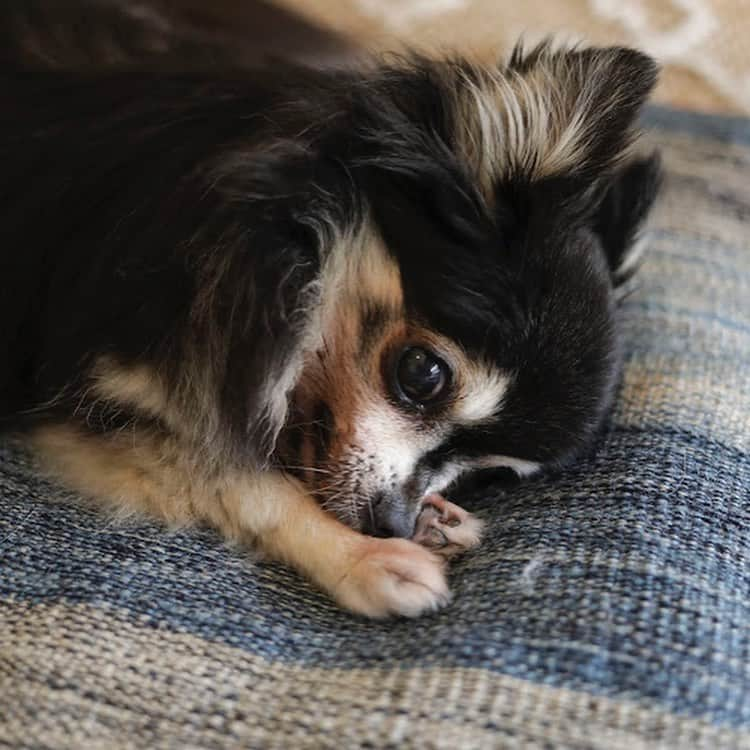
column 551, row 112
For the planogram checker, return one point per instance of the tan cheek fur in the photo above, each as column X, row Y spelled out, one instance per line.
column 338, row 374
column 366, row 424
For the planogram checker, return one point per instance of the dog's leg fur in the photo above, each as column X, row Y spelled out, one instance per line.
column 374, row 577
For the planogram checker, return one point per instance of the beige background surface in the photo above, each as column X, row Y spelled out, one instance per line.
column 704, row 45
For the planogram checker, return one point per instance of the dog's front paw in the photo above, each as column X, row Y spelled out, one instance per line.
column 445, row 528
column 393, row 577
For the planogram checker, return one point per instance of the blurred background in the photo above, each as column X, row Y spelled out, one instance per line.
column 704, row 45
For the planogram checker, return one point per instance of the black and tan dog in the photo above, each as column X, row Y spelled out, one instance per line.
column 292, row 303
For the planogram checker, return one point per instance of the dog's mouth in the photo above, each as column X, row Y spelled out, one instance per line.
column 339, row 484
column 436, row 523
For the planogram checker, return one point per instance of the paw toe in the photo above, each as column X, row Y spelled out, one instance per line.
column 394, row 577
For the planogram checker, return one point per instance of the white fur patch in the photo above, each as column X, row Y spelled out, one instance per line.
column 521, row 466
column 523, row 123
column 632, row 257
column 357, row 263
column 449, row 472
column 454, row 469
column 540, row 121
column 482, row 392
column 391, row 445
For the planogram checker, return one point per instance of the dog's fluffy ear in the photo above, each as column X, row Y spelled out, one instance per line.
column 571, row 121
column 551, row 112
column 578, row 107
column 621, row 213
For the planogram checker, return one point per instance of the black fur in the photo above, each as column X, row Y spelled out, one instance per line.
column 176, row 219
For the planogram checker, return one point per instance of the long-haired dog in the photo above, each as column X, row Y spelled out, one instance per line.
column 292, row 303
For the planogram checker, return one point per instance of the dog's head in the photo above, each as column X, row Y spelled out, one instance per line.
column 466, row 315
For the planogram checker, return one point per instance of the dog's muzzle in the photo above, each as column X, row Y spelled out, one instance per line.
column 390, row 514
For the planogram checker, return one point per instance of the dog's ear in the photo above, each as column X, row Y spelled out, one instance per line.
column 573, row 111
column 618, row 218
column 579, row 109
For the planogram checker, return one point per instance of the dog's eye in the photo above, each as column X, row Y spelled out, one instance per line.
column 420, row 376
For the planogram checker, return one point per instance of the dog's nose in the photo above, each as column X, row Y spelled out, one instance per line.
column 389, row 515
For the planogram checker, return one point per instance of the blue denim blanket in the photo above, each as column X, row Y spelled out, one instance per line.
column 608, row 607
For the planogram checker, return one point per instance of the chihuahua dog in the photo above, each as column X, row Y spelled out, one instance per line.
column 292, row 303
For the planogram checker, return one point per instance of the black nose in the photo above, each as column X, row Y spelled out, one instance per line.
column 388, row 514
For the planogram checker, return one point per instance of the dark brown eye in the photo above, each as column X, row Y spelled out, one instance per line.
column 421, row 377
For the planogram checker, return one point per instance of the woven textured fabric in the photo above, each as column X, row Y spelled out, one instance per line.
column 609, row 606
